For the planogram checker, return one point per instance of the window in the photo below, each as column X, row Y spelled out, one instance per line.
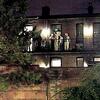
column 56, row 28
column 56, row 62
column 81, row 62
column 97, row 59
column 79, row 33
column 96, row 34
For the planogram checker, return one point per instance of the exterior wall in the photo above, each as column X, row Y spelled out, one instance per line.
column 68, row 59
column 69, row 26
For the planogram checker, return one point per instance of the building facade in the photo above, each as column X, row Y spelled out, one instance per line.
column 66, row 41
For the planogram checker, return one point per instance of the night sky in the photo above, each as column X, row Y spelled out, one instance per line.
column 61, row 6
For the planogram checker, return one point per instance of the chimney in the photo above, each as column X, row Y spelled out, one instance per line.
column 45, row 12
column 90, row 8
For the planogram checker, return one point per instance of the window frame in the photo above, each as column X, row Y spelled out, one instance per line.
column 94, row 31
column 77, row 62
column 96, row 61
column 51, row 58
column 54, row 24
column 82, row 33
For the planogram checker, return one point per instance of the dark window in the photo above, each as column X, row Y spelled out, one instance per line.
column 96, row 34
column 79, row 33
column 80, row 62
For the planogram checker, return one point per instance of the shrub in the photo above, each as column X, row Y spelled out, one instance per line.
column 3, row 84
column 24, row 78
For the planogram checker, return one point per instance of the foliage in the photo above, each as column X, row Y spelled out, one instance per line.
column 13, row 37
column 12, row 22
column 24, row 78
column 3, row 84
column 14, row 41
column 80, row 93
column 91, row 74
column 89, row 87
column 20, row 78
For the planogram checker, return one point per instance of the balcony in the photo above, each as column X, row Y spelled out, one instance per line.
column 57, row 45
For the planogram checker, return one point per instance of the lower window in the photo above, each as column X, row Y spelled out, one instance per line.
column 81, row 62
column 56, row 62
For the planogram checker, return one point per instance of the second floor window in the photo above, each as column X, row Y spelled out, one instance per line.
column 79, row 33
column 96, row 35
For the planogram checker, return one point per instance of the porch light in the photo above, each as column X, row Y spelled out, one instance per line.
column 88, row 31
column 45, row 33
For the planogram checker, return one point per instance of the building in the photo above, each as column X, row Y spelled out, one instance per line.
column 79, row 49
column 67, row 42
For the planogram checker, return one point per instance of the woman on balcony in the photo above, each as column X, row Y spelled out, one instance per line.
column 66, row 42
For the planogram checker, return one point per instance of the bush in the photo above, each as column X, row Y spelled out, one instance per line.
column 24, row 78
column 3, row 84
column 89, row 88
column 80, row 93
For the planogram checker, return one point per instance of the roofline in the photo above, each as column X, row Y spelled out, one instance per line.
column 66, row 16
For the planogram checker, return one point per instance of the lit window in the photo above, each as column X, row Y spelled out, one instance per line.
column 97, row 59
column 56, row 62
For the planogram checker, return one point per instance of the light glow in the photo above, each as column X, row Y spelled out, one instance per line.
column 45, row 33
column 97, row 59
column 43, row 65
column 88, row 31
column 85, row 64
column 28, row 28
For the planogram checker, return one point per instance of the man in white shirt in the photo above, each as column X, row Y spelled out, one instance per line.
column 66, row 42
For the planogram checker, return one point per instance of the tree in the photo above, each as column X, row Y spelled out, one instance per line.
column 13, row 41
column 12, row 23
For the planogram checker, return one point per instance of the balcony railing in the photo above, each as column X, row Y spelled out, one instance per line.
column 49, row 45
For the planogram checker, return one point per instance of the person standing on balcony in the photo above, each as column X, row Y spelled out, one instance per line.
column 56, row 46
column 66, row 42
column 60, row 42
column 52, row 39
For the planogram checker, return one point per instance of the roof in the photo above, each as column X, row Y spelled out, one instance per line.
column 66, row 16
column 61, row 7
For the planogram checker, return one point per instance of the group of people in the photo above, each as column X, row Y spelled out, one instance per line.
column 59, row 42
column 56, row 42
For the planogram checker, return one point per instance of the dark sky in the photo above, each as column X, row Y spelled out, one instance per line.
column 61, row 6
